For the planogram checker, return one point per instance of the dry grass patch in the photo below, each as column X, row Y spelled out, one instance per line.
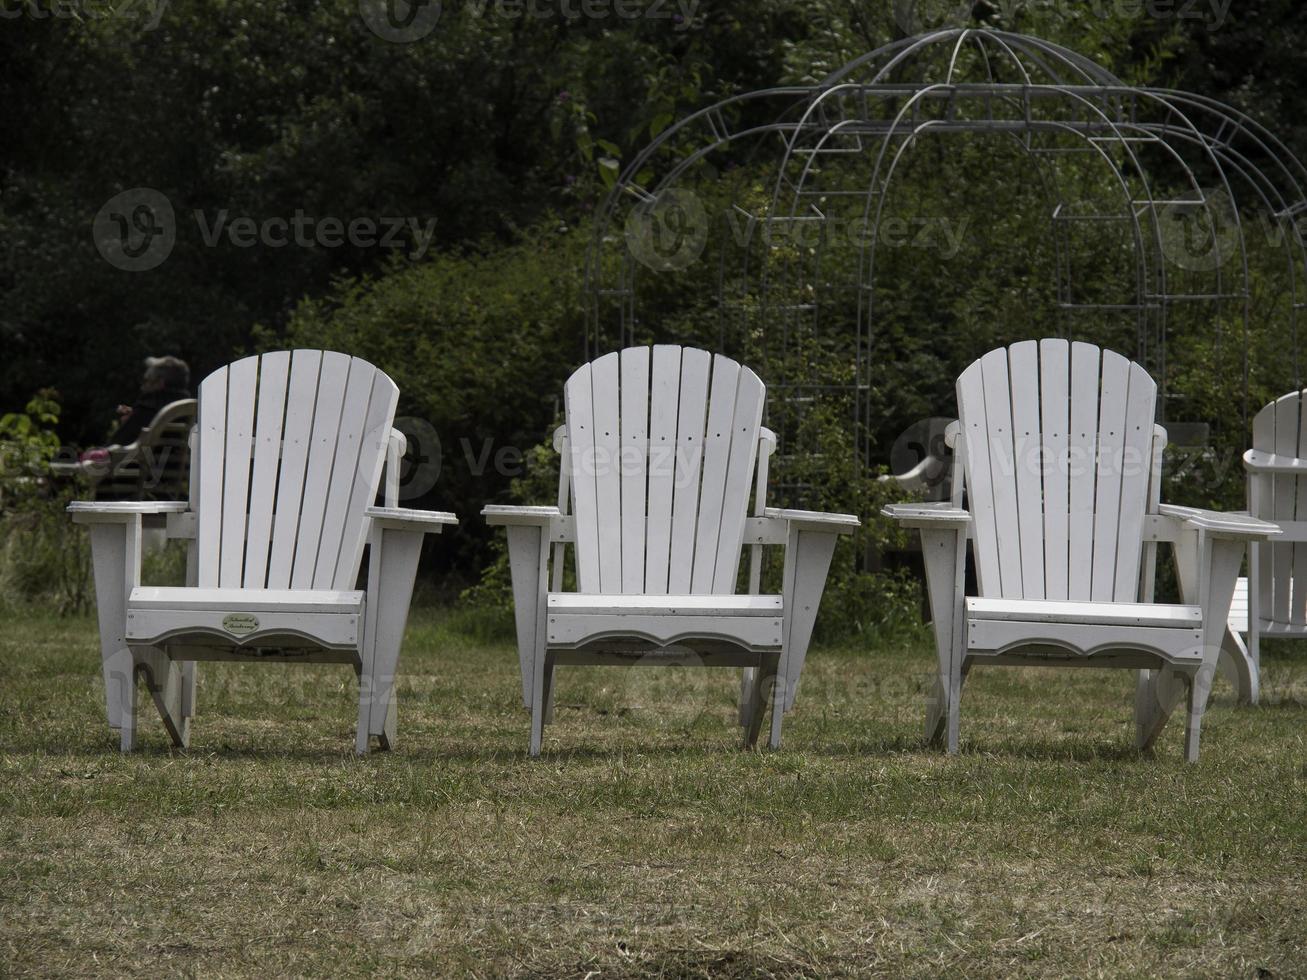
column 643, row 842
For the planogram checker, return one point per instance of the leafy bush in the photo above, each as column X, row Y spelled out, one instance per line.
column 44, row 557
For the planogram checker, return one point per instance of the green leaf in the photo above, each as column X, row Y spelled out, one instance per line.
column 609, row 169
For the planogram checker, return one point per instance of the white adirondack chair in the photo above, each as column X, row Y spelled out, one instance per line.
column 1274, row 595
column 1061, row 464
column 286, row 466
column 660, row 448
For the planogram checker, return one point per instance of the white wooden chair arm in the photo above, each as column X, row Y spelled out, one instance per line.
column 1220, row 524
column 1256, row 461
column 121, row 511
column 409, row 519
column 505, row 514
column 561, row 527
column 811, row 520
column 935, row 515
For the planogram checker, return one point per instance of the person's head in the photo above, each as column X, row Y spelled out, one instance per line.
column 166, row 373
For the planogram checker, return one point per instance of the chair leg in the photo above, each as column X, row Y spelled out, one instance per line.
column 777, row 717
column 126, row 692
column 1157, row 692
column 747, row 676
column 954, row 709
column 549, row 694
column 165, row 682
column 389, row 725
column 539, row 694
column 944, row 708
column 362, row 740
column 760, row 692
column 936, row 712
column 1199, row 688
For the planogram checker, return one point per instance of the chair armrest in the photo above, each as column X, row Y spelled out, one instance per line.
column 936, row 515
column 1220, row 524
column 811, row 520
column 408, row 519
column 560, row 527
column 122, row 511
column 1256, row 461
column 504, row 514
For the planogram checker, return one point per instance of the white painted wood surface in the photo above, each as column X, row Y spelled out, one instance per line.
column 1272, row 600
column 1058, row 460
column 287, row 462
column 663, row 449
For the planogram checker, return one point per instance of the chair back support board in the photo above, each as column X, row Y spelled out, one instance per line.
column 1281, row 428
column 661, row 449
column 289, row 454
column 1061, row 462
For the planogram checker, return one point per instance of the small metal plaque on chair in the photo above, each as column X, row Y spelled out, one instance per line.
column 240, row 623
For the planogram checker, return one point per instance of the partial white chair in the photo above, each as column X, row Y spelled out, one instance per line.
column 659, row 451
column 1274, row 595
column 1060, row 461
column 288, row 456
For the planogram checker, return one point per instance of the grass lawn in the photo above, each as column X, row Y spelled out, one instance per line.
column 644, row 842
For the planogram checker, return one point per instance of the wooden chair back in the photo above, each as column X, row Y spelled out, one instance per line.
column 289, row 452
column 1061, row 462
column 660, row 453
column 1281, row 428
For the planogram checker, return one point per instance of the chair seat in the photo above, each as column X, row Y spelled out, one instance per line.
column 245, row 617
column 1151, row 614
column 1124, row 634
column 751, row 621
column 1266, row 627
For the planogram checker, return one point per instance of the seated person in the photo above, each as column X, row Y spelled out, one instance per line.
column 167, row 379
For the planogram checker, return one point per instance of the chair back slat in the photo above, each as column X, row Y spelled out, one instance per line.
column 1023, row 367
column 712, row 486
column 297, row 431
column 333, row 375
column 687, row 464
column 1080, row 479
column 242, row 385
column 664, row 397
column 1055, row 428
column 364, row 476
column 1114, row 387
column 606, row 413
column 274, row 369
column 1057, row 512
column 1281, row 428
column 290, row 450
column 1298, row 584
column 742, row 463
column 662, row 445
column 634, row 464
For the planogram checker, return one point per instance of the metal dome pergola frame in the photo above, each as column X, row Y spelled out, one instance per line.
column 1048, row 100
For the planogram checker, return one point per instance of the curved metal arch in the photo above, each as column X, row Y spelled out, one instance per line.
column 1234, row 146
